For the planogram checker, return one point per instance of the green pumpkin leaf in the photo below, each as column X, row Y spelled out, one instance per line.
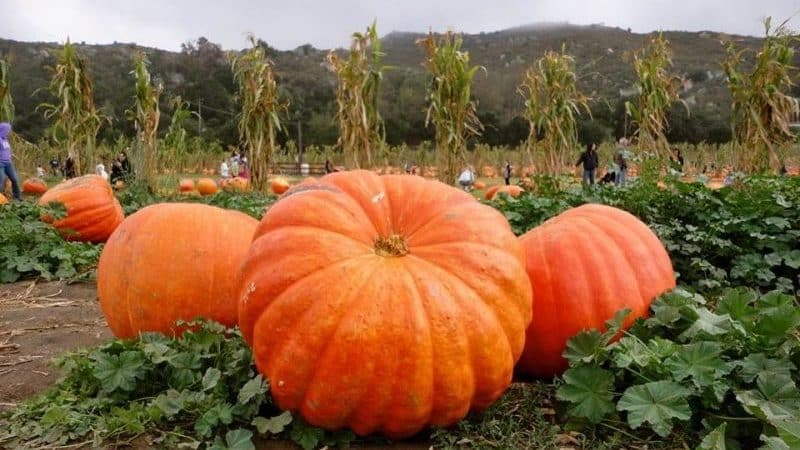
column 274, row 425
column 655, row 403
column 211, row 378
column 758, row 365
column 584, row 347
column 590, row 392
column 238, row 439
column 715, row 440
column 255, row 387
column 699, row 361
column 118, row 371
column 306, row 436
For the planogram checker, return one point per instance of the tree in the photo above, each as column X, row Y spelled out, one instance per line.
column 362, row 132
column 552, row 105
column 450, row 104
column 658, row 90
column 145, row 116
column 6, row 103
column 761, row 106
column 259, row 119
column 76, row 119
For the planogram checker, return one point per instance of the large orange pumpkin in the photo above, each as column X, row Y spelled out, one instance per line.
column 206, row 186
column 34, row 186
column 384, row 303
column 512, row 190
column 92, row 211
column 172, row 261
column 585, row 265
column 186, row 185
column 279, row 185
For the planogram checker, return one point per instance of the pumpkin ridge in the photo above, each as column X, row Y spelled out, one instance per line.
column 429, row 341
column 468, row 246
column 603, row 286
column 436, row 407
column 410, row 233
column 356, row 195
column 352, row 309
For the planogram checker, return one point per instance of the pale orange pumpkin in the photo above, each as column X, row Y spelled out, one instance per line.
column 3, row 199
column 512, row 190
column 92, row 211
column 207, row 186
column 384, row 303
column 479, row 185
column 169, row 262
column 186, row 185
column 585, row 265
column 34, row 186
column 279, row 185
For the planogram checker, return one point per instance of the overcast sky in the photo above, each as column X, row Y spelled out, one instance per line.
column 286, row 24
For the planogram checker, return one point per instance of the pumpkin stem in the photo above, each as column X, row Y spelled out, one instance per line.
column 393, row 245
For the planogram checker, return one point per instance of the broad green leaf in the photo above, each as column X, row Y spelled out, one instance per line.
column 774, row 443
column 614, row 324
column 211, row 378
column 777, row 398
column 707, row 323
column 170, row 403
column 274, row 425
column 590, row 392
column 252, row 388
column 737, row 303
column 306, row 436
column 119, row 371
column 631, row 350
column 699, row 361
column 758, row 365
column 584, row 347
column 656, row 403
column 715, row 440
column 238, row 439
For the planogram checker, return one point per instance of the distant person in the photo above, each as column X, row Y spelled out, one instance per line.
column 244, row 170
column 329, row 166
column 621, row 174
column 54, row 165
column 6, row 164
column 783, row 171
column 116, row 171
column 125, row 164
column 39, row 171
column 224, row 170
column 100, row 169
column 467, row 179
column 69, row 167
column 677, row 161
column 407, row 167
column 507, row 172
column 590, row 161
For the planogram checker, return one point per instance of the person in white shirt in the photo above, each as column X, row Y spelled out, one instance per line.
column 100, row 169
column 224, row 171
column 39, row 171
column 466, row 179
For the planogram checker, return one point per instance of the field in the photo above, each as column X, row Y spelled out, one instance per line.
column 735, row 251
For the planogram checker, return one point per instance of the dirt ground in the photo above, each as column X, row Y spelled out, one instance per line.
column 41, row 320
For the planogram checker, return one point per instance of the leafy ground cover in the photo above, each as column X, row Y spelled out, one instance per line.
column 712, row 368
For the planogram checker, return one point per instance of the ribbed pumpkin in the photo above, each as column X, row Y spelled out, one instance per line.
column 236, row 184
column 585, row 265
column 186, row 185
column 172, row 261
column 92, row 211
column 512, row 190
column 207, row 186
column 34, row 186
column 384, row 303
column 279, row 185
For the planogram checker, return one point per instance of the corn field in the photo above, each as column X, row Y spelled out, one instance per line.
column 552, row 104
column 146, row 116
column 361, row 131
column 760, row 105
column 450, row 104
column 6, row 102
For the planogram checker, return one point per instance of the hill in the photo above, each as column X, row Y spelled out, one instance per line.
column 200, row 73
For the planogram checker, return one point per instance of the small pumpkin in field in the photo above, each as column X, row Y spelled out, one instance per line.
column 585, row 265
column 279, row 185
column 3, row 199
column 409, row 311
column 512, row 190
column 119, row 185
column 34, row 186
column 480, row 185
column 186, row 185
column 236, row 184
column 92, row 211
column 207, row 186
column 172, row 261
